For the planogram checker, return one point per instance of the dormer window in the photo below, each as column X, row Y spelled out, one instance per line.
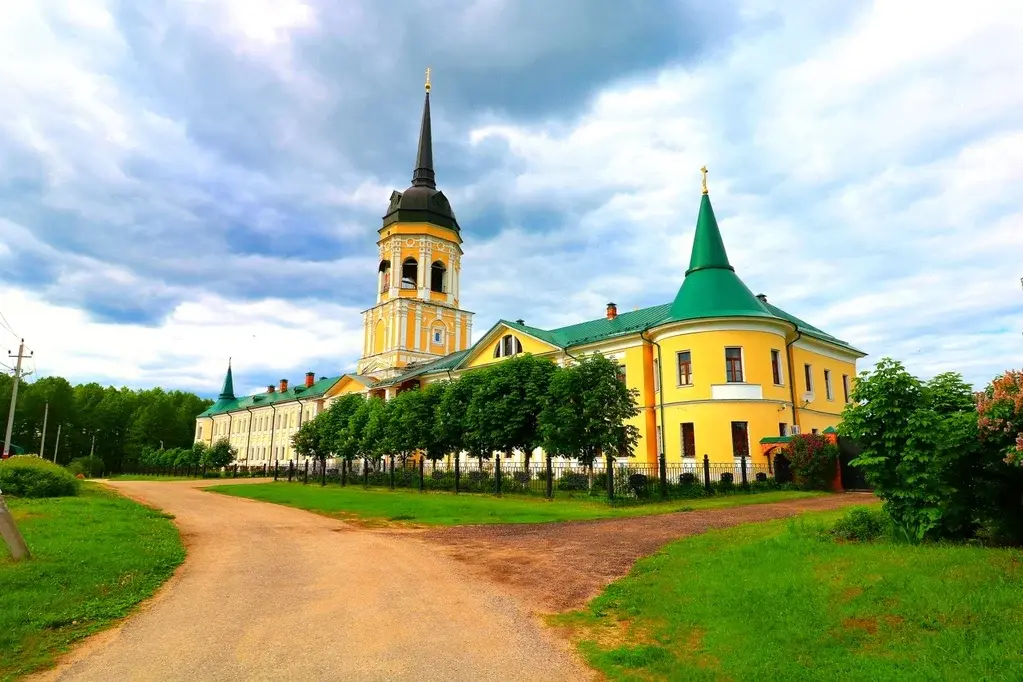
column 507, row 347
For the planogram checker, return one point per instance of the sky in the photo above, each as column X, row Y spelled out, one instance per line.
column 184, row 182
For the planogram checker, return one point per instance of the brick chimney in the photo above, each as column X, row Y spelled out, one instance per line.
column 310, row 379
column 269, row 388
column 612, row 311
column 284, row 385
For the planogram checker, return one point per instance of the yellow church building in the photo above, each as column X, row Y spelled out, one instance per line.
column 718, row 370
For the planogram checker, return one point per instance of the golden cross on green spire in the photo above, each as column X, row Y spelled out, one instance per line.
column 704, row 172
column 428, row 79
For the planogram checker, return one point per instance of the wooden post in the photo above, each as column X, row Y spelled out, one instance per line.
column 10, row 533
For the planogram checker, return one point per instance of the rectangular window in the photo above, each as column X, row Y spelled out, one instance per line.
column 845, row 386
column 813, row 430
column 733, row 365
column 808, row 377
column 827, row 384
column 783, row 429
column 657, row 377
column 685, row 368
column 688, row 441
column 776, row 366
column 740, row 439
column 621, row 373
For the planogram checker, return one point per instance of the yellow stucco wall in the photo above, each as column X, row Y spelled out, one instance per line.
column 484, row 354
column 822, row 412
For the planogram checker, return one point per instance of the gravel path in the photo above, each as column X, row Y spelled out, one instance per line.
column 273, row 593
column 554, row 567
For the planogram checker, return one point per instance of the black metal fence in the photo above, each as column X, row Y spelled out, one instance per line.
column 619, row 480
column 201, row 471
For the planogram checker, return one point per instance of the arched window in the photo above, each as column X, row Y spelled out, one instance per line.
column 385, row 274
column 437, row 272
column 409, row 273
column 508, row 347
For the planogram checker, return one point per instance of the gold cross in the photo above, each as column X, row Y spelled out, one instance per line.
column 428, row 79
column 704, row 172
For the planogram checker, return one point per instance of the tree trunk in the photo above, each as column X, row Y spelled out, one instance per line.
column 11, row 535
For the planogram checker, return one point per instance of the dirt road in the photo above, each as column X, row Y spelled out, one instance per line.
column 273, row 593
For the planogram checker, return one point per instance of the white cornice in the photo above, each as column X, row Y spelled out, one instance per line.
column 733, row 324
column 812, row 345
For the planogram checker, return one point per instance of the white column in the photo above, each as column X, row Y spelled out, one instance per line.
column 403, row 311
column 453, row 345
column 395, row 267
column 419, row 329
column 468, row 330
column 424, row 268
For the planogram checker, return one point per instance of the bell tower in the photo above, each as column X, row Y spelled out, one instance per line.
column 416, row 317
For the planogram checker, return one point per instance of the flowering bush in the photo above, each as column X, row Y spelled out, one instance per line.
column 1000, row 407
column 813, row 457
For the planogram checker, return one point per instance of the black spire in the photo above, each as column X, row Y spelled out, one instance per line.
column 423, row 175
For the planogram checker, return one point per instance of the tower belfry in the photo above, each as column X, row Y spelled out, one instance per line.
column 416, row 318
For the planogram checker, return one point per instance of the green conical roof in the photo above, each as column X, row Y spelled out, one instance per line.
column 711, row 287
column 227, row 393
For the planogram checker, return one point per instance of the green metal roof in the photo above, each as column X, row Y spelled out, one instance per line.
column 439, row 365
column 300, row 392
column 711, row 288
column 603, row 328
column 776, row 439
column 227, row 392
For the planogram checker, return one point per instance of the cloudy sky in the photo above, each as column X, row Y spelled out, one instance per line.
column 183, row 181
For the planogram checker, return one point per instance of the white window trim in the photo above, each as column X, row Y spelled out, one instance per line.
column 828, row 391
column 808, row 373
column 742, row 364
column 781, row 367
column 678, row 373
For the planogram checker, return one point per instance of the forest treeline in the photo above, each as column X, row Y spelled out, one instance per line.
column 123, row 420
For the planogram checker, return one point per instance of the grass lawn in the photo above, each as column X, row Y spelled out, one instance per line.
column 771, row 601
column 448, row 509
column 94, row 558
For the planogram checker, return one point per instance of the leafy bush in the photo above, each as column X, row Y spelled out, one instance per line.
column 521, row 476
column 761, row 477
column 813, row 458
column 639, row 485
column 35, row 477
column 861, row 524
column 220, row 455
column 90, row 467
column 688, row 478
column 572, row 480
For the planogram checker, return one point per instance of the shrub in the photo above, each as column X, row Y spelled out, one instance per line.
column 438, row 475
column 813, row 458
column 521, row 476
column 687, row 479
column 761, row 477
column 35, row 477
column 572, row 480
column 861, row 524
column 639, row 484
column 91, row 467
column 726, row 483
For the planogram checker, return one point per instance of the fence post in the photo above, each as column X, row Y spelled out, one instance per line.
column 742, row 462
column 663, row 472
column 235, row 475
column 204, row 471
column 392, row 472
column 291, row 469
column 550, row 476
column 706, row 472
column 497, row 473
column 610, row 479
column 277, row 466
column 323, row 473
column 344, row 472
column 365, row 472
column 422, row 463
column 305, row 478
column 456, row 473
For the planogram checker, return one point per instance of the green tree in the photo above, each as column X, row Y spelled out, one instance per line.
column 311, row 441
column 450, row 430
column 220, row 455
column 341, row 435
column 920, row 449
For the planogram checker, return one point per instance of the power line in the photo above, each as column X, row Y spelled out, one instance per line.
column 7, row 325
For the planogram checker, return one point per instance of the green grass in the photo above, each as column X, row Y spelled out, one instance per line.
column 448, row 509
column 773, row 601
column 94, row 558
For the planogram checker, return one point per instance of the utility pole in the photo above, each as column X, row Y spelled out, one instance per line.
column 14, row 397
column 42, row 445
column 8, row 529
column 57, row 446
